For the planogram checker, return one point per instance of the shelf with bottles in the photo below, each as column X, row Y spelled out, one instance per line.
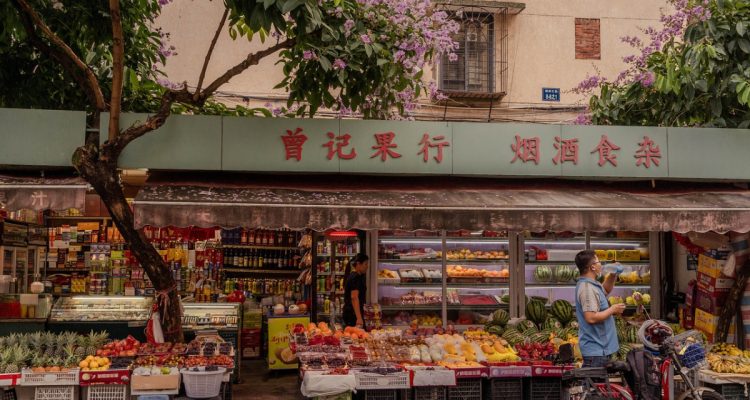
column 341, row 248
column 258, row 258
column 261, row 238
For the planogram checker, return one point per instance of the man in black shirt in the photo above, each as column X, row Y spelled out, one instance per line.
column 355, row 291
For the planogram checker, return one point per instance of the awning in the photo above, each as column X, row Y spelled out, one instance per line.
column 21, row 192
column 411, row 203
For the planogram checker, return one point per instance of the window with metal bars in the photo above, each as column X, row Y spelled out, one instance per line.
column 473, row 70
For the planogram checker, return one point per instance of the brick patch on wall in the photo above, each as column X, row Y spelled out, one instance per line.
column 588, row 39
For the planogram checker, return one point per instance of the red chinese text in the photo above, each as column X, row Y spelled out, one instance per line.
column 647, row 153
column 606, row 151
column 384, row 146
column 337, row 148
column 436, row 142
column 526, row 149
column 567, row 150
column 293, row 142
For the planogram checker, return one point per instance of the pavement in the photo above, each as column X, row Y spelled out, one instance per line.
column 258, row 383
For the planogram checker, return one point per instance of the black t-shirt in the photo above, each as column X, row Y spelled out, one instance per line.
column 355, row 281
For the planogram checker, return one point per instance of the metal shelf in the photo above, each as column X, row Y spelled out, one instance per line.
column 252, row 246
column 262, row 271
column 573, row 262
column 449, row 285
column 406, row 307
column 573, row 285
column 440, row 261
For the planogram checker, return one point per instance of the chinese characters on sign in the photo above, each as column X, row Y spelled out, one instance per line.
column 385, row 146
column 528, row 149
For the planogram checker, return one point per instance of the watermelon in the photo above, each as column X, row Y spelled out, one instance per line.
column 562, row 311
column 564, row 273
column 496, row 330
column 525, row 325
column 505, row 299
column 573, row 324
column 536, row 311
column 552, row 323
column 539, row 337
column 543, row 273
column 500, row 317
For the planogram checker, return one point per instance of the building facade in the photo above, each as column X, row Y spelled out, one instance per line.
column 517, row 61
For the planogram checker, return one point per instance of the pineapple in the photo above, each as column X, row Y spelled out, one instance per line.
column 20, row 358
column 48, row 341
column 2, row 342
column 11, row 340
column 36, row 341
column 38, row 362
column 10, row 363
column 5, row 358
column 70, row 360
column 81, row 344
column 96, row 341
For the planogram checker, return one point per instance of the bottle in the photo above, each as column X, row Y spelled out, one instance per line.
column 246, row 260
column 327, row 306
column 271, row 238
column 261, row 261
column 251, row 237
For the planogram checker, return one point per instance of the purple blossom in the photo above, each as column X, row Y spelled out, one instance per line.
column 339, row 64
column 308, row 55
column 582, row 119
column 366, row 39
column 348, row 25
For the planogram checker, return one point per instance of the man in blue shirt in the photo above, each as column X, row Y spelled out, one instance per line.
column 597, row 334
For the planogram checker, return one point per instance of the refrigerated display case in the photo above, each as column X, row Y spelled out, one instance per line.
column 332, row 252
column 118, row 315
column 13, row 256
column 225, row 319
column 436, row 280
column 21, row 313
column 550, row 272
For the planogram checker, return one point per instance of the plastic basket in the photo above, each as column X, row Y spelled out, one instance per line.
column 694, row 355
column 29, row 378
column 544, row 389
column 505, row 389
column 202, row 384
column 370, row 381
column 9, row 394
column 54, row 393
column 466, row 389
column 429, row 393
column 730, row 391
column 106, row 392
column 387, row 394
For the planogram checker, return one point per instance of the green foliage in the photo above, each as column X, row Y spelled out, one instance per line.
column 701, row 80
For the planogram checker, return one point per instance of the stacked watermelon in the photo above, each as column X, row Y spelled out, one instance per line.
column 498, row 320
column 536, row 311
column 565, row 273
column 543, row 273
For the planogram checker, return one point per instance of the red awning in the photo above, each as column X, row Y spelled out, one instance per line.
column 451, row 203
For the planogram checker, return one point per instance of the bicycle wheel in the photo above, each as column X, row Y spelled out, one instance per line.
column 704, row 392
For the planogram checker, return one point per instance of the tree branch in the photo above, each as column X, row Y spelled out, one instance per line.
column 250, row 60
column 61, row 52
column 211, row 49
column 118, row 55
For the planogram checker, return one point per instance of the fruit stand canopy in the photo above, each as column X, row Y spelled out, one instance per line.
column 325, row 202
column 33, row 192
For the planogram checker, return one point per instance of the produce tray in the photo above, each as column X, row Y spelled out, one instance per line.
column 406, row 279
column 109, row 377
column 477, row 300
column 497, row 280
column 465, row 279
column 428, row 279
column 373, row 381
column 29, row 378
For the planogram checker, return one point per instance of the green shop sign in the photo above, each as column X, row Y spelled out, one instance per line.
column 211, row 143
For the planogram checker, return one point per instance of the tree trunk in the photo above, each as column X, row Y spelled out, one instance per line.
column 102, row 174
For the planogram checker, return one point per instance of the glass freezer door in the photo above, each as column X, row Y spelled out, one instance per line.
column 21, row 271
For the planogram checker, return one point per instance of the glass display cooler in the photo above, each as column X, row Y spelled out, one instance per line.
column 21, row 313
column 550, row 272
column 14, row 256
column 331, row 253
column 437, row 280
column 225, row 319
column 119, row 315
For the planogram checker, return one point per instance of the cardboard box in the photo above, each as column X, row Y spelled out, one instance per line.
column 711, row 266
column 707, row 323
column 711, row 284
column 155, row 382
column 710, row 302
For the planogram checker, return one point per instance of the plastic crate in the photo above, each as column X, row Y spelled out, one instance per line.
column 106, row 392
column 387, row 394
column 466, row 389
column 505, row 389
column 544, row 389
column 55, row 393
column 429, row 393
column 202, row 384
column 9, row 394
column 29, row 378
column 371, row 381
column 730, row 391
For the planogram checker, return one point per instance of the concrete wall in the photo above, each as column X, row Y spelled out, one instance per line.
column 541, row 49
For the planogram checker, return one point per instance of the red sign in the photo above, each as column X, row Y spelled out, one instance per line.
column 510, row 371
column 550, row 371
column 293, row 142
column 526, row 149
column 478, row 372
column 606, row 151
column 109, row 377
column 384, row 146
column 437, row 141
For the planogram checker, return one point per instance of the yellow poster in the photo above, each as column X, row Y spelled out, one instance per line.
column 280, row 356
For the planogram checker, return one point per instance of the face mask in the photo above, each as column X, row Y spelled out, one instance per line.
column 597, row 272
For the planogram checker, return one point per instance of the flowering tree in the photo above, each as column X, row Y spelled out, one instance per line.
column 363, row 56
column 692, row 72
